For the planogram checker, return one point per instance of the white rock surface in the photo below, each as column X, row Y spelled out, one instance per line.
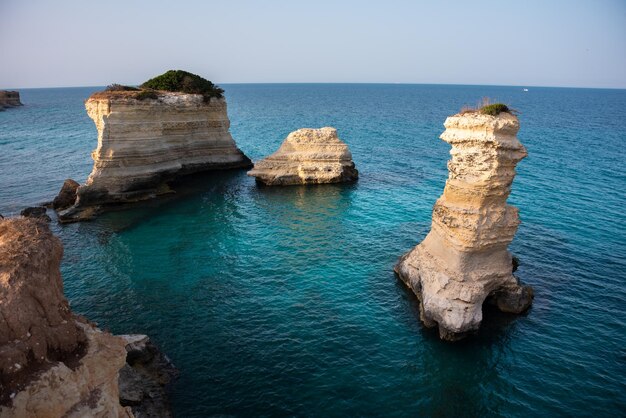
column 464, row 259
column 307, row 156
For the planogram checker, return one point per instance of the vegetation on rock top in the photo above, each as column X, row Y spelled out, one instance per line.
column 184, row 82
column 173, row 80
column 120, row 87
column 486, row 107
column 494, row 109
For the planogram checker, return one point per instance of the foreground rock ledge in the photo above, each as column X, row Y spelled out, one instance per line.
column 464, row 259
column 144, row 144
column 54, row 363
column 307, row 156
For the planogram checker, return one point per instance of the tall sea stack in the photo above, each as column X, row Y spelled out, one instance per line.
column 464, row 258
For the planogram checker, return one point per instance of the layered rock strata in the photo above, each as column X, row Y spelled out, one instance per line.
column 145, row 142
column 464, row 258
column 9, row 99
column 307, row 156
column 52, row 363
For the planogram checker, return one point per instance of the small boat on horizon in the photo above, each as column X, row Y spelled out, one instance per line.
column 525, row 89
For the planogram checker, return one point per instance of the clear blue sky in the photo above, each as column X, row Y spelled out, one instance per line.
column 530, row 42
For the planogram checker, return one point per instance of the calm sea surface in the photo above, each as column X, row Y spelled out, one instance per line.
column 282, row 301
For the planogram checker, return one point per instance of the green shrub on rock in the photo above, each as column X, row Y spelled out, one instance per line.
column 494, row 109
column 184, row 82
column 120, row 87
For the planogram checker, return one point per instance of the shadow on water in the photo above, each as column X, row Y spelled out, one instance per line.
column 462, row 377
column 186, row 188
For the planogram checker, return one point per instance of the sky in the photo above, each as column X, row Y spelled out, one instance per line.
column 62, row 43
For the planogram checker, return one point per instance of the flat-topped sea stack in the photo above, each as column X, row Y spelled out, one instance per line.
column 9, row 98
column 148, row 137
column 307, row 156
column 464, row 259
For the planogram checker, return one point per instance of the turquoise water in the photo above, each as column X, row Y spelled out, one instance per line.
column 282, row 301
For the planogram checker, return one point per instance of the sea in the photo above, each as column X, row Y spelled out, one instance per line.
column 282, row 301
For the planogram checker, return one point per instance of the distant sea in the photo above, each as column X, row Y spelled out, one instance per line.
column 283, row 302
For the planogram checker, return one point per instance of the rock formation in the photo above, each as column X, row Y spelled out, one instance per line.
column 148, row 138
column 9, row 99
column 67, row 195
column 52, row 362
column 464, row 259
column 307, row 156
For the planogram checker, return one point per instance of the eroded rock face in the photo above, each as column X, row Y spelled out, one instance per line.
column 52, row 363
column 9, row 98
column 36, row 324
column 464, row 259
column 143, row 144
column 307, row 156
column 89, row 389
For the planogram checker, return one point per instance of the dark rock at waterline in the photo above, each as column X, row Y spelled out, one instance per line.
column 514, row 301
column 144, row 379
column 67, row 195
column 9, row 99
column 35, row 212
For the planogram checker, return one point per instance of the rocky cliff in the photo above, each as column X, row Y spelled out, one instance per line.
column 307, row 156
column 52, row 363
column 9, row 99
column 148, row 138
column 464, row 258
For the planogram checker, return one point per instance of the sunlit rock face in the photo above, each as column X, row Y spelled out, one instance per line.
column 464, row 258
column 307, row 156
column 144, row 144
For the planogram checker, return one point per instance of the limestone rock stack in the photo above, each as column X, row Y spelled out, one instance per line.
column 146, row 139
column 307, row 156
column 9, row 99
column 464, row 259
column 52, row 363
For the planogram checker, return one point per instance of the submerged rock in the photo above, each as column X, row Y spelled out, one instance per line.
column 464, row 259
column 9, row 98
column 145, row 140
column 307, row 156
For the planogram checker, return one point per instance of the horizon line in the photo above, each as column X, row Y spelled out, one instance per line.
column 346, row 82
